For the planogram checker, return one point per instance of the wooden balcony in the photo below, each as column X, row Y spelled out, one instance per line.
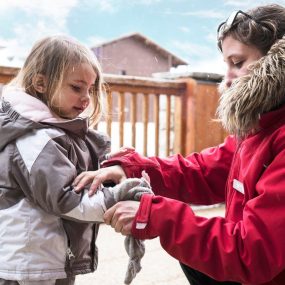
column 156, row 116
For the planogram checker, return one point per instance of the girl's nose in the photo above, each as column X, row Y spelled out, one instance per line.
column 86, row 99
column 86, row 96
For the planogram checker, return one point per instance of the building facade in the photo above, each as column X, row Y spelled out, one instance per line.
column 135, row 55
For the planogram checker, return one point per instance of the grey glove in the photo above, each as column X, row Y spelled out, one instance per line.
column 130, row 189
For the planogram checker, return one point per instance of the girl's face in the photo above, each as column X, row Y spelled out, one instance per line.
column 75, row 92
column 238, row 57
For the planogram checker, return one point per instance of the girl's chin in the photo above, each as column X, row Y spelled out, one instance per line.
column 70, row 116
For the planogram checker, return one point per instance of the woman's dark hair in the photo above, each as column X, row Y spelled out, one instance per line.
column 259, row 27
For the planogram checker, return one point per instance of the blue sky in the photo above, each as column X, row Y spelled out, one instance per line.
column 186, row 28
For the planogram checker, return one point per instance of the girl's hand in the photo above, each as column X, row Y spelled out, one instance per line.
column 113, row 174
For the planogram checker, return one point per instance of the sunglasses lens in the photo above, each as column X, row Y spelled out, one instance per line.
column 224, row 27
column 231, row 19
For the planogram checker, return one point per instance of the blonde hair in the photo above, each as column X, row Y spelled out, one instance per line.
column 52, row 57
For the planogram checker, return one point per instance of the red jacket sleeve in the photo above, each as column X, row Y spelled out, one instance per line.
column 249, row 251
column 178, row 177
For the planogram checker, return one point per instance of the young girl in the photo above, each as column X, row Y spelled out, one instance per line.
column 47, row 232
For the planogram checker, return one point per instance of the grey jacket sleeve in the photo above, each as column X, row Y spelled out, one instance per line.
column 45, row 172
column 94, row 207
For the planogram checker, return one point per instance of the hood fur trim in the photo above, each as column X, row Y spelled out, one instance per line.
column 252, row 95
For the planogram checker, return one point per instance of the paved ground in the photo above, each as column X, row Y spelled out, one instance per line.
column 158, row 268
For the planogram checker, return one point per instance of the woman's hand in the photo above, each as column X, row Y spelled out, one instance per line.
column 113, row 174
column 120, row 152
column 121, row 216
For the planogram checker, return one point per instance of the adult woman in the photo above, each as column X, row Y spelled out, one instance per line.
column 247, row 171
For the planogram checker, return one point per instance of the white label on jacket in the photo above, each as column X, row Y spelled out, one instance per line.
column 140, row 226
column 238, row 186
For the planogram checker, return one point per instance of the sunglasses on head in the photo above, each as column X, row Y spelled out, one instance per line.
column 228, row 24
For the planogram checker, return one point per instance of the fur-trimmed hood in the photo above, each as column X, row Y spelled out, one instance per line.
column 252, row 95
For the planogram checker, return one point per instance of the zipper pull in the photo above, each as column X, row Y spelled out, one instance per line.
column 69, row 253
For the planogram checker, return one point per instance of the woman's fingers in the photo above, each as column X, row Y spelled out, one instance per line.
column 121, row 216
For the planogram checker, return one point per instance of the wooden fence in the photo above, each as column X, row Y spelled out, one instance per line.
column 158, row 117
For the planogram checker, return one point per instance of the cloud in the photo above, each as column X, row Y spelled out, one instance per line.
column 104, row 5
column 191, row 49
column 205, row 14
column 36, row 20
column 201, row 58
column 146, row 2
column 113, row 6
column 43, row 19
column 200, row 14
column 95, row 41
column 211, row 37
column 237, row 3
column 58, row 9
column 184, row 29
column 248, row 4
column 213, row 65
column 12, row 53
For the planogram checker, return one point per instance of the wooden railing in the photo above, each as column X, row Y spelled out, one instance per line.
column 157, row 117
column 148, row 100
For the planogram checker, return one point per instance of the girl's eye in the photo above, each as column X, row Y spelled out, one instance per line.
column 76, row 88
column 92, row 91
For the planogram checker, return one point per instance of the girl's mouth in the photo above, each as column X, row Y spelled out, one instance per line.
column 79, row 109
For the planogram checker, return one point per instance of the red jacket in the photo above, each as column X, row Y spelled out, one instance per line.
column 248, row 245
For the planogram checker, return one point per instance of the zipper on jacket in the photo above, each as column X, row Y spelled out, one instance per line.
column 69, row 258
column 93, row 248
column 69, row 253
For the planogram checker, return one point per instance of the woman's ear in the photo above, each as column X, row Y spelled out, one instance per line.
column 39, row 83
